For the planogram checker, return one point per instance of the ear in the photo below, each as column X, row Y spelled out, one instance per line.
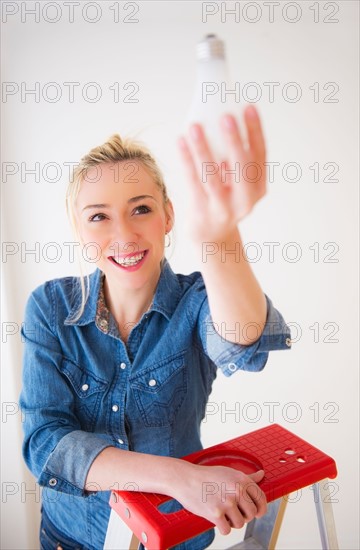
column 170, row 216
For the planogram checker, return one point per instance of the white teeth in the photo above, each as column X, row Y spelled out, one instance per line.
column 126, row 262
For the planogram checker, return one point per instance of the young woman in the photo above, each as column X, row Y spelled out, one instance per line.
column 118, row 366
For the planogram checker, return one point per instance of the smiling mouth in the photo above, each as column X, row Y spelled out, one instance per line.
column 129, row 261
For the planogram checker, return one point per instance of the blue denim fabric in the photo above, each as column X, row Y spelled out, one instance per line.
column 85, row 390
column 51, row 538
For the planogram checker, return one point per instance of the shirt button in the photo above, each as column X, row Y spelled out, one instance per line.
column 152, row 382
column 232, row 367
column 53, row 482
column 115, row 408
column 85, row 387
column 288, row 342
column 121, row 441
column 123, row 366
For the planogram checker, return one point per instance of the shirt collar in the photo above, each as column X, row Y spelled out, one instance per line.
column 167, row 296
column 168, row 292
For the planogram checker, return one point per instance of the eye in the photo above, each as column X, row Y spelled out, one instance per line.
column 97, row 218
column 142, row 209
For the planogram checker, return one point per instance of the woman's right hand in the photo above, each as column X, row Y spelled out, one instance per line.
column 226, row 497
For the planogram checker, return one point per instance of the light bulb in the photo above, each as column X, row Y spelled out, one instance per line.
column 214, row 94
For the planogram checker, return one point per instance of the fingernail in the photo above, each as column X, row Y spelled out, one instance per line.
column 229, row 122
column 252, row 112
column 182, row 142
column 195, row 132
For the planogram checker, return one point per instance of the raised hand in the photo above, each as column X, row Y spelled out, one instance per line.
column 223, row 194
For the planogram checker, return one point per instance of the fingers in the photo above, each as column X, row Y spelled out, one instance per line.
column 209, row 170
column 236, row 516
column 200, row 143
column 256, row 494
column 223, row 525
column 249, row 503
column 233, row 518
column 231, row 500
column 257, row 476
column 190, row 168
column 255, row 134
column 232, row 137
column 251, row 500
column 247, row 511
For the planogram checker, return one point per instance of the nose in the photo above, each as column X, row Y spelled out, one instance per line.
column 125, row 239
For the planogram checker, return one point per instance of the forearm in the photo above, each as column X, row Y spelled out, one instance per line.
column 186, row 482
column 119, row 469
column 236, row 300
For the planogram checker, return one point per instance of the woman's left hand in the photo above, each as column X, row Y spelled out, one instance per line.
column 223, row 194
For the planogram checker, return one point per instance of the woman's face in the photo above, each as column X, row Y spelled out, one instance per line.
column 120, row 208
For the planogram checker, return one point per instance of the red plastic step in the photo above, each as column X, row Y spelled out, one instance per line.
column 289, row 462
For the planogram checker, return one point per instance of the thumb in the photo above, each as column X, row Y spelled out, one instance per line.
column 257, row 476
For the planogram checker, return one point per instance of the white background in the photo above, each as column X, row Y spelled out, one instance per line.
column 314, row 387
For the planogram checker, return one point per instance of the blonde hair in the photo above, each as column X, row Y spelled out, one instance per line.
column 114, row 150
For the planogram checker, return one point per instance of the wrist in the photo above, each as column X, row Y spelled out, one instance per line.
column 228, row 236
column 182, row 476
column 222, row 252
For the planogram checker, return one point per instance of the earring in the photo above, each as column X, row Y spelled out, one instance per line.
column 169, row 240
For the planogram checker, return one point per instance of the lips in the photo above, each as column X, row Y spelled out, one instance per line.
column 130, row 261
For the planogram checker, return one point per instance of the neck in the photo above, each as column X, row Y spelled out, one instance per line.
column 128, row 305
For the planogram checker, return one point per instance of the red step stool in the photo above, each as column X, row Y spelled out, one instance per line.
column 290, row 464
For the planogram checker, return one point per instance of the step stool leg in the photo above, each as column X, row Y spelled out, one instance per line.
column 118, row 534
column 134, row 543
column 263, row 533
column 324, row 511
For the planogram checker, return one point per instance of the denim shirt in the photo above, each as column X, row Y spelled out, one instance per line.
column 85, row 390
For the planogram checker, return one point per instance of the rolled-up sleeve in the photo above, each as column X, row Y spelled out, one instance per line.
column 231, row 357
column 55, row 448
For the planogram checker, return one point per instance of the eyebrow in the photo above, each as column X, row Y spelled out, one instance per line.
column 131, row 200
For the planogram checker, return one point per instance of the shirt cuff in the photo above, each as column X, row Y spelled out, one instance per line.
column 68, row 465
column 230, row 357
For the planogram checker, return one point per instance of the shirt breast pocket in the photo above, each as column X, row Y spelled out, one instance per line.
column 159, row 391
column 88, row 391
